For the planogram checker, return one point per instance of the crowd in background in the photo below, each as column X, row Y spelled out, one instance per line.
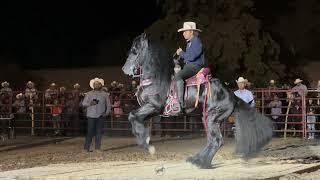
column 61, row 107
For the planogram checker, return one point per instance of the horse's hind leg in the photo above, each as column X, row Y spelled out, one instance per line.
column 203, row 158
column 137, row 121
column 214, row 139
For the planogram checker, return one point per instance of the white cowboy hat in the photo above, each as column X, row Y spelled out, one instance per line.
column 19, row 95
column 101, row 81
column 53, row 84
column 76, row 85
column 30, row 82
column 272, row 81
column 62, row 88
column 241, row 80
column 298, row 81
column 5, row 83
column 189, row 26
column 114, row 82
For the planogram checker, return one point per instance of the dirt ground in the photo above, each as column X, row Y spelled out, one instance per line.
column 121, row 159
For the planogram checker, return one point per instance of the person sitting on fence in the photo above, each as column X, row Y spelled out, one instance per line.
column 5, row 88
column 300, row 88
column 271, row 88
column 6, row 100
column 51, row 93
column 243, row 93
column 62, row 94
column 276, row 111
column 114, row 89
column 20, row 106
column 56, row 111
column 20, row 111
column 311, row 120
column 30, row 91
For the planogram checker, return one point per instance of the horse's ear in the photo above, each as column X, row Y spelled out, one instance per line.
column 144, row 35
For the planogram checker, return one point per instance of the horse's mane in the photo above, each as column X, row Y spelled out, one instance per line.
column 158, row 64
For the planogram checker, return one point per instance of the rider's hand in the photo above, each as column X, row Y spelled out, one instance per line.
column 179, row 51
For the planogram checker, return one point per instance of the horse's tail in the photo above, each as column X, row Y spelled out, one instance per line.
column 253, row 130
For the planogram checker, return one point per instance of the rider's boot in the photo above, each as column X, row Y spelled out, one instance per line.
column 180, row 94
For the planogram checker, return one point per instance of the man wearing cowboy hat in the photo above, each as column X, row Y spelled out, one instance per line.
column 51, row 93
column 20, row 107
column 193, row 58
column 5, row 88
column 98, row 106
column 300, row 88
column 30, row 91
column 76, row 86
column 243, row 93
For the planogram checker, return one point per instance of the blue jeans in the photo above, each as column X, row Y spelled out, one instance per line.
column 95, row 127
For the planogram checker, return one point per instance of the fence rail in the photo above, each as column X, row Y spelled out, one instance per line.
column 33, row 115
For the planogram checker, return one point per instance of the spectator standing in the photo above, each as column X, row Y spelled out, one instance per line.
column 56, row 111
column 276, row 111
column 300, row 88
column 243, row 93
column 97, row 106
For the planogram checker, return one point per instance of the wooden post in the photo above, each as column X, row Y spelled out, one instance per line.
column 32, row 117
column 286, row 121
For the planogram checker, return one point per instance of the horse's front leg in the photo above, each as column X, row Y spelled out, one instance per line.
column 138, row 129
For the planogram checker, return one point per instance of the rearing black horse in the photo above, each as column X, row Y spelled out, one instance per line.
column 155, row 67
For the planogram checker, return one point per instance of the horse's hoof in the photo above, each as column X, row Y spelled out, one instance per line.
column 190, row 159
column 199, row 163
column 151, row 150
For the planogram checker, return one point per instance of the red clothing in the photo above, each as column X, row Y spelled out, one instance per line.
column 56, row 110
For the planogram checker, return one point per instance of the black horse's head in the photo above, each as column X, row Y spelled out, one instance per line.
column 136, row 55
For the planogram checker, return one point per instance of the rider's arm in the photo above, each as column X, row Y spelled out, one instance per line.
column 192, row 52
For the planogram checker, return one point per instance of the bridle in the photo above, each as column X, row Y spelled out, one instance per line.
column 136, row 64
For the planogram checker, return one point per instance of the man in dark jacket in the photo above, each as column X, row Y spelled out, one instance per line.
column 193, row 58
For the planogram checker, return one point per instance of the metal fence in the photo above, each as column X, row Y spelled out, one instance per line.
column 37, row 117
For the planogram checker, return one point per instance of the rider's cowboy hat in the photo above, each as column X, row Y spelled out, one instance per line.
column 272, row 81
column 101, row 81
column 5, row 84
column 298, row 81
column 189, row 26
column 242, row 80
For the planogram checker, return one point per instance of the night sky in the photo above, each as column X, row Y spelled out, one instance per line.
column 51, row 34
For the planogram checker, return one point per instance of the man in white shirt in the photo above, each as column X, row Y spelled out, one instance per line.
column 243, row 93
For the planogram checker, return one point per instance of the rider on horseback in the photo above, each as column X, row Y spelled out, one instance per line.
column 193, row 58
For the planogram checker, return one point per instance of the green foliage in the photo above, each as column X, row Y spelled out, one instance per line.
column 234, row 40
